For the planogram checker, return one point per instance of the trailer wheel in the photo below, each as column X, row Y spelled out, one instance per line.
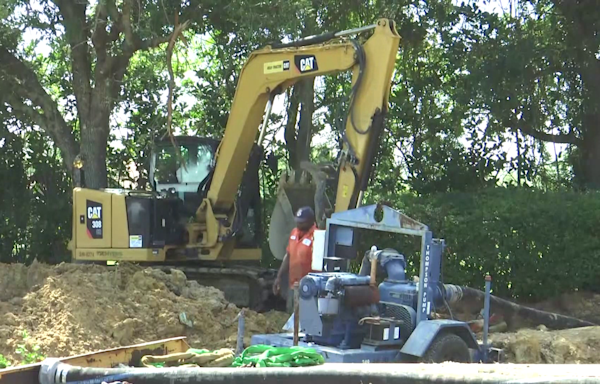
column 447, row 347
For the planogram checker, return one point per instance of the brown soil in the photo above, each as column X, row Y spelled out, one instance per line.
column 570, row 346
column 71, row 309
column 583, row 305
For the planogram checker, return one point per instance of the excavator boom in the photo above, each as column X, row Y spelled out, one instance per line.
column 272, row 70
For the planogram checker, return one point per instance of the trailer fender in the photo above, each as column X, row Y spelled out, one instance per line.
column 424, row 334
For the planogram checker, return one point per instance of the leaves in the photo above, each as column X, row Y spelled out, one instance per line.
column 527, row 240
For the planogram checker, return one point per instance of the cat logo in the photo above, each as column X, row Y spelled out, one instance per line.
column 306, row 63
column 94, row 219
column 94, row 212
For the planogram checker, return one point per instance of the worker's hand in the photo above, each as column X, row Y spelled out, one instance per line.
column 276, row 286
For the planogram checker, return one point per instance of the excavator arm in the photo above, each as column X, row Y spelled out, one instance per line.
column 270, row 71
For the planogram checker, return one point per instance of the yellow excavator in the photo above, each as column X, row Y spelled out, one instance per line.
column 203, row 213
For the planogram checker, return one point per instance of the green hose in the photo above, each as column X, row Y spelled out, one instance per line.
column 267, row 356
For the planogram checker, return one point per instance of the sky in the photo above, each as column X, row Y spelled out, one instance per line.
column 119, row 118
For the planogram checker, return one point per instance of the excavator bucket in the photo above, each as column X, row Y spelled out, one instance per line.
column 292, row 195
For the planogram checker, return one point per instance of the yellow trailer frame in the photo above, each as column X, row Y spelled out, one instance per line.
column 109, row 358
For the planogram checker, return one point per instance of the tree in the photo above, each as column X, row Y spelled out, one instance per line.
column 533, row 71
column 98, row 40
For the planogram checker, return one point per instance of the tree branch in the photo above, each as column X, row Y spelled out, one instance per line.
column 524, row 127
column 25, row 112
column 133, row 42
column 130, row 38
column 179, row 28
column 25, row 83
column 100, row 37
column 77, row 31
column 117, row 66
column 583, row 35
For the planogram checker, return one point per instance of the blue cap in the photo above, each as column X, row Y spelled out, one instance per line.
column 305, row 214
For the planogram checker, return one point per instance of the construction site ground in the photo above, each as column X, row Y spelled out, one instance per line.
column 72, row 309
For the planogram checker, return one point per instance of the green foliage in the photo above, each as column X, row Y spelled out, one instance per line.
column 534, row 244
column 4, row 363
column 29, row 356
column 34, row 200
column 471, row 88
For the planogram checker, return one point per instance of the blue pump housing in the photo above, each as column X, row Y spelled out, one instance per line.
column 401, row 294
column 342, row 332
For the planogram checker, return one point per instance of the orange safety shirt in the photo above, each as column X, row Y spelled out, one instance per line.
column 300, row 254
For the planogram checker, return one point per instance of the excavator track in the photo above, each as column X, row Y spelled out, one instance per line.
column 244, row 286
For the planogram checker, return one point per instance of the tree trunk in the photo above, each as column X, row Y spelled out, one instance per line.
column 307, row 102
column 290, row 127
column 94, row 137
column 589, row 172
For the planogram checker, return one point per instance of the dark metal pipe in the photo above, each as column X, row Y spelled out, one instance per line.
column 296, row 313
column 345, row 281
column 395, row 270
column 306, row 41
column 317, row 39
column 240, row 333
column 486, row 316
column 377, row 127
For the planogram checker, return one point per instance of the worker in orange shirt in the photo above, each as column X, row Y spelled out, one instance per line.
column 298, row 257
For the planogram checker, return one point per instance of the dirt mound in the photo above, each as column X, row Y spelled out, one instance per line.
column 583, row 305
column 570, row 346
column 70, row 309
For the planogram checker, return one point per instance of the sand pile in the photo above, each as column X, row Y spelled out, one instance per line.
column 570, row 346
column 70, row 309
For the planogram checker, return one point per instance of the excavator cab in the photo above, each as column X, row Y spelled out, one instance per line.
column 182, row 168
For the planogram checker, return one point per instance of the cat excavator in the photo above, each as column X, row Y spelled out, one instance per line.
column 203, row 214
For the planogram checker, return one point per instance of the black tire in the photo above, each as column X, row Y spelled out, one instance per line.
column 447, row 347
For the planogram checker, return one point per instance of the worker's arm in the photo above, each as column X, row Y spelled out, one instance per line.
column 284, row 267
